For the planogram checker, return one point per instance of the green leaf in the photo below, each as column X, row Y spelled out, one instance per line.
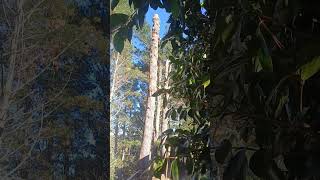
column 263, row 53
column 118, row 41
column 265, row 60
column 138, row 4
column 173, row 115
column 166, row 132
column 206, row 83
column 117, row 20
column 282, row 102
column 169, row 36
column 114, row 3
column 227, row 32
column 175, row 170
column 175, row 8
column 257, row 64
column 166, row 5
column 158, row 167
column 191, row 80
column 141, row 15
column 310, row 69
column 154, row 4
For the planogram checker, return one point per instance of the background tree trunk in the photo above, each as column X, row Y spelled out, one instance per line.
column 116, row 137
column 165, row 121
column 159, row 104
column 145, row 151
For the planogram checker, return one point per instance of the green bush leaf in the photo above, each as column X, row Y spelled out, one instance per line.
column 227, row 32
column 282, row 102
column 310, row 69
column 175, row 170
column 263, row 53
column 265, row 60
column 117, row 20
column 206, row 83
column 158, row 167
column 173, row 115
column 154, row 4
column 175, row 8
column 118, row 41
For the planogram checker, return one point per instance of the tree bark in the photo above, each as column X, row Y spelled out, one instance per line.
column 116, row 138
column 159, row 104
column 145, row 151
column 114, row 78
column 165, row 121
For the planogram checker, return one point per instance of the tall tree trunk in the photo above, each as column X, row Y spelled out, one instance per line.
column 123, row 138
column 116, row 138
column 114, row 77
column 159, row 104
column 145, row 151
column 165, row 121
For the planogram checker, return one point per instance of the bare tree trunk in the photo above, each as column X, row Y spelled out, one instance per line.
column 114, row 78
column 145, row 152
column 165, row 122
column 159, row 104
column 123, row 138
column 116, row 138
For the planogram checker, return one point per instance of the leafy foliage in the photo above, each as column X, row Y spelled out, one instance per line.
column 261, row 59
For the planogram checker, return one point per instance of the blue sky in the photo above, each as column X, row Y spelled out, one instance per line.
column 164, row 26
column 163, row 15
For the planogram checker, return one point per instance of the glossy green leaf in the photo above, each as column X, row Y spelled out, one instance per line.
column 158, row 167
column 118, row 41
column 154, row 4
column 206, row 83
column 310, row 69
column 263, row 53
column 117, row 20
column 166, row 132
column 175, row 8
column 175, row 170
column 265, row 60
column 173, row 114
column 282, row 102
column 227, row 32
column 141, row 15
